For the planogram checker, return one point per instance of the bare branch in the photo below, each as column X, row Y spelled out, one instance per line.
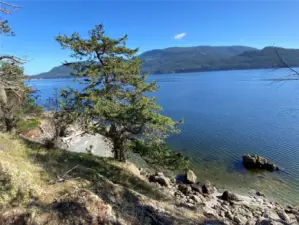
column 12, row 58
column 12, row 7
column 284, row 63
column 62, row 179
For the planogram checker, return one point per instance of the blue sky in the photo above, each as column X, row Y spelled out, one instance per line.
column 149, row 24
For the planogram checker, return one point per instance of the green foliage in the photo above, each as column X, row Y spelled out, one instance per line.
column 113, row 102
column 27, row 125
column 29, row 106
column 5, row 29
column 159, row 154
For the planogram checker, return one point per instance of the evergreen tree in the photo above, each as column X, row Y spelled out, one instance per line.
column 13, row 91
column 113, row 101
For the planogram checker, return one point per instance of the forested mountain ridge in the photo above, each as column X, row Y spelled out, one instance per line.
column 202, row 58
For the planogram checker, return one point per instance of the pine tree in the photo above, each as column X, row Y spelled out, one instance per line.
column 13, row 91
column 114, row 100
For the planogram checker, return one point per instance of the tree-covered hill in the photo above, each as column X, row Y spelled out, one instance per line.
column 203, row 58
column 187, row 59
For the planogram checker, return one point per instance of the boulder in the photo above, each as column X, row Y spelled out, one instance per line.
column 229, row 196
column 251, row 222
column 160, row 179
column 249, row 161
column 207, row 188
column 191, row 177
column 15, row 216
column 284, row 217
column 163, row 181
column 229, row 215
column 258, row 162
column 196, row 199
column 240, row 220
column 271, row 214
column 196, row 188
column 268, row 222
column 260, row 194
column 159, row 173
column 185, row 189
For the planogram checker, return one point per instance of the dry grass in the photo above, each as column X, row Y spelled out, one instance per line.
column 38, row 172
column 22, row 177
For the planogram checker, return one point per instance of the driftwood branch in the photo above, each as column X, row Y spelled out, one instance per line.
column 62, row 179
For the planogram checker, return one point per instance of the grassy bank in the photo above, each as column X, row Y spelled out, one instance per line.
column 34, row 180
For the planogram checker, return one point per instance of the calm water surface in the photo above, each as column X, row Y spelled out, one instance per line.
column 227, row 114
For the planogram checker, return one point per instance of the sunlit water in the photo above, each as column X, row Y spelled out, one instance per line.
column 227, row 114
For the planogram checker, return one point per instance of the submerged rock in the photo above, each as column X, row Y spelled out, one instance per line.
column 258, row 162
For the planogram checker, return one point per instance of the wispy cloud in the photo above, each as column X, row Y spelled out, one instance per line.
column 179, row 36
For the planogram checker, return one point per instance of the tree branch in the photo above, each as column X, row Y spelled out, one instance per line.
column 284, row 63
column 11, row 58
column 8, row 11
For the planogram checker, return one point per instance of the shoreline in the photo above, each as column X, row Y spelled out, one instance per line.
column 102, row 148
column 211, row 203
column 75, row 142
column 226, row 206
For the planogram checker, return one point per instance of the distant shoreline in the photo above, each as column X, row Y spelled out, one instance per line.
column 202, row 71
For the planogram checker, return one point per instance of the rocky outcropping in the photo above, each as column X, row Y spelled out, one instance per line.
column 229, row 207
column 258, row 162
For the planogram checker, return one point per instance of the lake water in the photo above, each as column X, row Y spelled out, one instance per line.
column 227, row 114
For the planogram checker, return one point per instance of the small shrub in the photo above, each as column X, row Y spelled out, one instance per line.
column 27, row 125
column 159, row 154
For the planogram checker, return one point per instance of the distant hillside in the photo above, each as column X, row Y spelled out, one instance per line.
column 187, row 59
column 56, row 72
column 202, row 58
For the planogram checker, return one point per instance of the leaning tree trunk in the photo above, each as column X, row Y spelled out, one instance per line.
column 3, row 104
column 3, row 96
column 119, row 149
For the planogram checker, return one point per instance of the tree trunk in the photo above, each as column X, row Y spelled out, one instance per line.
column 3, row 96
column 118, row 149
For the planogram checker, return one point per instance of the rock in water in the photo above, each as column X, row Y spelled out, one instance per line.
column 228, row 196
column 191, row 177
column 258, row 162
column 249, row 161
